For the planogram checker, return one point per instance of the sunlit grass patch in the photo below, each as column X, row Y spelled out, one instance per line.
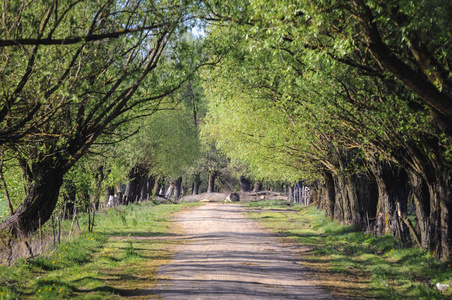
column 376, row 266
column 123, row 253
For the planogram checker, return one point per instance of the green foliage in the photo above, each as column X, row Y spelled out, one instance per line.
column 166, row 144
column 130, row 251
column 94, row 90
column 295, row 85
column 16, row 185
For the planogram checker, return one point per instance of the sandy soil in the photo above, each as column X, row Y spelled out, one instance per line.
column 227, row 256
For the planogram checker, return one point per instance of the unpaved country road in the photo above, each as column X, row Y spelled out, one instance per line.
column 227, row 256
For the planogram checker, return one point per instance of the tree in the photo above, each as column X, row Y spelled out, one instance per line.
column 93, row 85
column 315, row 105
column 163, row 145
column 403, row 39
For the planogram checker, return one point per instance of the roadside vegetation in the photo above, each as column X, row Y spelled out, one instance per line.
column 119, row 258
column 353, row 263
column 342, row 103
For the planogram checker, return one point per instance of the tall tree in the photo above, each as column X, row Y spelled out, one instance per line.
column 73, row 70
column 324, row 108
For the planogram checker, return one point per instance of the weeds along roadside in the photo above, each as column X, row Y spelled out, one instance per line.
column 123, row 253
column 350, row 263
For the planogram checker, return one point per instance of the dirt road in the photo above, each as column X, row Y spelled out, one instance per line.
column 227, row 256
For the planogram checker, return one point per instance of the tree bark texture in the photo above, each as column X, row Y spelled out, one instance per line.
column 38, row 204
column 290, row 193
column 339, row 214
column 393, row 195
column 421, row 201
column 440, row 205
column 330, row 194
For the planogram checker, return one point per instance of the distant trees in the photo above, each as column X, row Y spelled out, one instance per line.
column 165, row 146
column 345, row 92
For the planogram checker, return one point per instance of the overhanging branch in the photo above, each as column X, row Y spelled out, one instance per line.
column 75, row 40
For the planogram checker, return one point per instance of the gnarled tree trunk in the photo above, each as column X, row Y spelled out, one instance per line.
column 421, row 200
column 393, row 195
column 38, row 205
column 440, row 205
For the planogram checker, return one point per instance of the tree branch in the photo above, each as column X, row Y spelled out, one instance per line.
column 75, row 40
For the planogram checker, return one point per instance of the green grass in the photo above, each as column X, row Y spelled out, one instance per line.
column 119, row 258
column 383, row 267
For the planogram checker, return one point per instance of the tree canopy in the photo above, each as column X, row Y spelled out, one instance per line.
column 341, row 91
column 74, row 70
column 354, row 95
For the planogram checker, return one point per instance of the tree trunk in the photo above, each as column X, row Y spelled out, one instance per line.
column 196, row 184
column 338, row 201
column 211, row 182
column 170, row 190
column 440, row 228
column 330, row 194
column 257, row 186
column 130, row 194
column 127, row 194
column 367, row 193
column 393, row 195
column 109, row 193
column 245, row 184
column 151, row 182
column 158, row 185
column 139, row 182
column 297, row 193
column 144, row 189
column 341, row 184
column 69, row 198
column 39, row 203
column 177, row 189
column 291, row 193
column 421, row 200
column 356, row 217
column 98, row 179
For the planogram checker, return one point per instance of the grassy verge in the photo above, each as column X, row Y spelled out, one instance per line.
column 354, row 264
column 119, row 259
